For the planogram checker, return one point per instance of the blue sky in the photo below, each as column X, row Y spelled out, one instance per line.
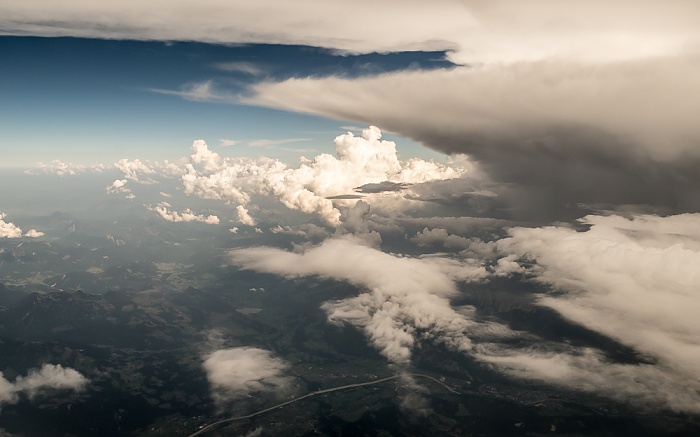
column 90, row 100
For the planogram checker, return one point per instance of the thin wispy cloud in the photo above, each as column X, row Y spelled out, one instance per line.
column 249, row 68
column 275, row 144
column 200, row 92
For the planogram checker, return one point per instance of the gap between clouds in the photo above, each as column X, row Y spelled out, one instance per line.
column 632, row 279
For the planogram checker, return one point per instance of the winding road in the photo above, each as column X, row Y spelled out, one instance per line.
column 320, row 392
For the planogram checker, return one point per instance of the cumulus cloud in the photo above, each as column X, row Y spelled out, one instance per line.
column 163, row 209
column 131, row 170
column 33, row 233
column 438, row 236
column 244, row 216
column 62, row 168
column 118, row 186
column 50, row 376
column 322, row 185
column 243, row 371
column 633, row 279
column 404, row 300
column 287, row 230
column 358, row 161
column 8, row 230
column 11, row 230
column 355, row 223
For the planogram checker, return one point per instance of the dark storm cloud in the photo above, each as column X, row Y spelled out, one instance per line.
column 540, row 179
column 552, row 134
column 380, row 187
column 345, row 197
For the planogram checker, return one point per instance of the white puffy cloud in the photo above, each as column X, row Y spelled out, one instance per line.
column 211, row 161
column 438, row 236
column 358, row 161
column 405, row 300
column 355, row 223
column 11, row 230
column 238, row 372
column 33, row 233
column 50, row 376
column 131, row 170
column 222, row 184
column 287, row 230
column 244, row 216
column 635, row 280
column 163, row 209
column 8, row 230
column 118, row 186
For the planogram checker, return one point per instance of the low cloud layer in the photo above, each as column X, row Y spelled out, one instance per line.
column 244, row 371
column 405, row 300
column 632, row 279
column 359, row 160
column 48, row 377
